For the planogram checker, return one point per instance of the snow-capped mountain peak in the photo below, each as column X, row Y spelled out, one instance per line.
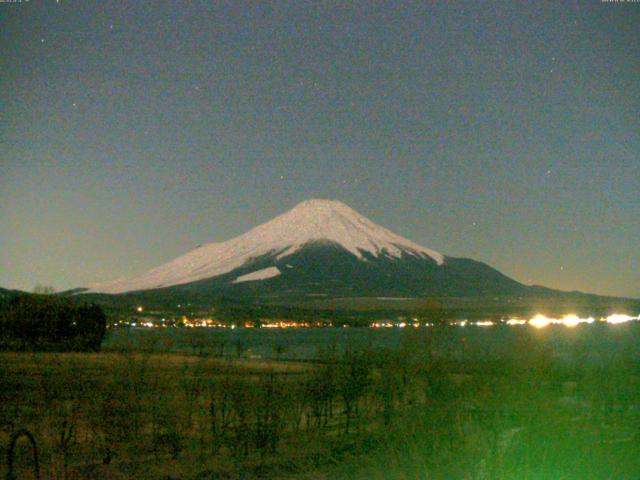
column 310, row 221
column 315, row 220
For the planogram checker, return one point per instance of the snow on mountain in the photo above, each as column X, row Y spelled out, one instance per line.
column 309, row 221
column 263, row 274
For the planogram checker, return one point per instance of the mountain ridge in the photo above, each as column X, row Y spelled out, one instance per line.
column 308, row 222
column 323, row 249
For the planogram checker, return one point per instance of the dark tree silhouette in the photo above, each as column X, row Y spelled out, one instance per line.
column 38, row 322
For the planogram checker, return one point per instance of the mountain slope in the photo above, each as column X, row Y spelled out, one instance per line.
column 308, row 223
column 323, row 250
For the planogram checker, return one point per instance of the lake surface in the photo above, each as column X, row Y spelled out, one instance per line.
column 595, row 344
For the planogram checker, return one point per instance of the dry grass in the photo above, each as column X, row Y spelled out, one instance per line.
column 526, row 415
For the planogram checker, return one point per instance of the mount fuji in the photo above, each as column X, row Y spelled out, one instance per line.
column 318, row 248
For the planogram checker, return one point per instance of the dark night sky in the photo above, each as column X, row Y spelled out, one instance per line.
column 508, row 132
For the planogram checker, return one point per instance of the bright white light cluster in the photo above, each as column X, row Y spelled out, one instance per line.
column 516, row 321
column 572, row 320
column 620, row 318
column 541, row 321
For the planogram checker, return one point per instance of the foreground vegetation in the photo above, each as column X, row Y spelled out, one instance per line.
column 434, row 406
column 49, row 323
